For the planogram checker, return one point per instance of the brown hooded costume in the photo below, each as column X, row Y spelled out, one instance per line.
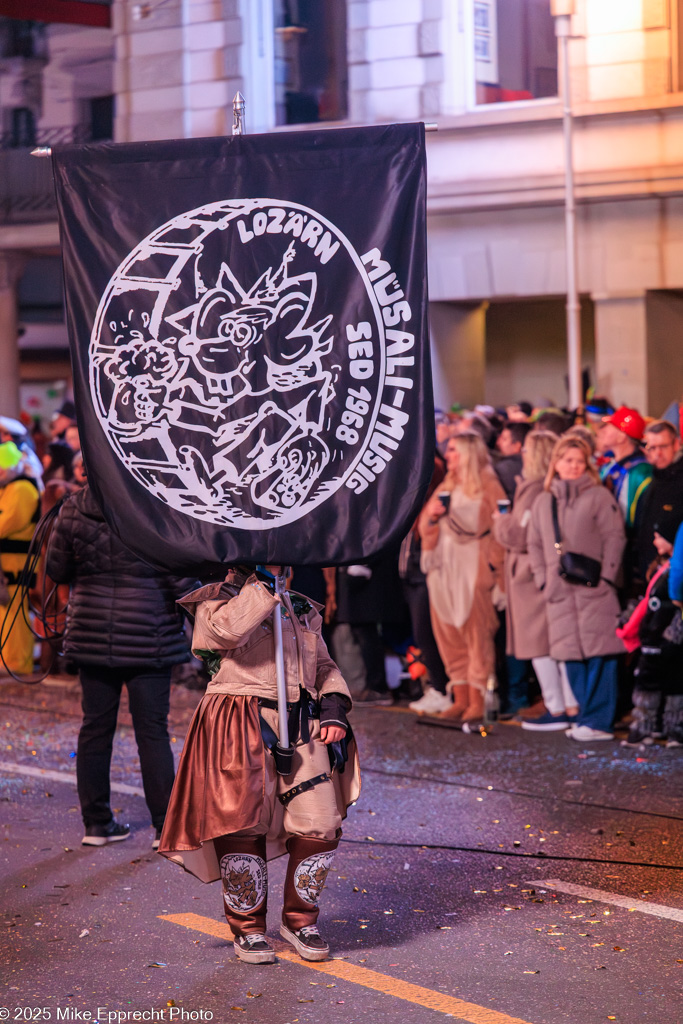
column 230, row 810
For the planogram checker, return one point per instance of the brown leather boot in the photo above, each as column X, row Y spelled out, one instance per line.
column 309, row 862
column 244, row 873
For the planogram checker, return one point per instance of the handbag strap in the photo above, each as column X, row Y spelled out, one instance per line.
column 556, row 525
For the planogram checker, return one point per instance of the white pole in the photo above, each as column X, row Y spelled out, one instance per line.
column 280, row 587
column 563, row 32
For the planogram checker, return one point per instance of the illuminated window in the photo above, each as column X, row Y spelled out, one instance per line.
column 515, row 50
column 310, row 61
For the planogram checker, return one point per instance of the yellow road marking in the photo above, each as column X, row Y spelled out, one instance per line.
column 470, row 1012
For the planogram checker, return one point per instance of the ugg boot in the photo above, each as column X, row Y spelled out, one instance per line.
column 309, row 863
column 245, row 895
column 459, row 690
column 475, row 707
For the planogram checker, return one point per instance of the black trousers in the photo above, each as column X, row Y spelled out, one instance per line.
column 149, row 699
column 368, row 637
column 417, row 599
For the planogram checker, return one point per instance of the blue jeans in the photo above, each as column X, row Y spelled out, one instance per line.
column 518, row 684
column 594, row 682
column 148, row 698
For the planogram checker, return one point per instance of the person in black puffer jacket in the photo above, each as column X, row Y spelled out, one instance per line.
column 662, row 502
column 658, row 691
column 122, row 626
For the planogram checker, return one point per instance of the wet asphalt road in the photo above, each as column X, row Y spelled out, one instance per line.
column 439, row 903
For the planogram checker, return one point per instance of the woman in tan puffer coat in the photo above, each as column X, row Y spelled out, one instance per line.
column 581, row 619
column 525, row 614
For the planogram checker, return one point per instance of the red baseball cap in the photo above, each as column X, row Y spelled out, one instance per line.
column 629, row 421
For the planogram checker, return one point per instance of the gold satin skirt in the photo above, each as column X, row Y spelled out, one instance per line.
column 225, row 780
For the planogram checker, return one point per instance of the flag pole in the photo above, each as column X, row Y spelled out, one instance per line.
column 283, row 760
column 283, row 751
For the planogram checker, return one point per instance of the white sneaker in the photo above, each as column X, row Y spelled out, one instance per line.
column 586, row 734
column 431, row 702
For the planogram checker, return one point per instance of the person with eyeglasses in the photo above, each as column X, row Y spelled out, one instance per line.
column 662, row 502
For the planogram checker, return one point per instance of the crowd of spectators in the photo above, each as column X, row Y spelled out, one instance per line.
column 543, row 576
column 568, row 524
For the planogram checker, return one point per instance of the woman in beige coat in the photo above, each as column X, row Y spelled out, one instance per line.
column 581, row 619
column 462, row 563
column 525, row 614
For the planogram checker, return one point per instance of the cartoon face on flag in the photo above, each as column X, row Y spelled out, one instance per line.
column 251, row 373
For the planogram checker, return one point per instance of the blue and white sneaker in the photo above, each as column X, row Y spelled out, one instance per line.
column 547, row 723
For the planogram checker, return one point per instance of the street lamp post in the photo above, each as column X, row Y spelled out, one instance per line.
column 562, row 11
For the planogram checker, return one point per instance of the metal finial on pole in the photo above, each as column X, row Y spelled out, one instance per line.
column 238, row 108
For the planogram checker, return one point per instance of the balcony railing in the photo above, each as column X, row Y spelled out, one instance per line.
column 46, row 137
column 26, row 188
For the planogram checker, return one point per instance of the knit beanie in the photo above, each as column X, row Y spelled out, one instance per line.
column 10, row 456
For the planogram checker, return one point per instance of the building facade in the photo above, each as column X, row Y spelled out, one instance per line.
column 485, row 71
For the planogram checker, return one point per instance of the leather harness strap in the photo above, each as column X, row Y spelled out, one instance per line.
column 303, row 787
column 299, row 714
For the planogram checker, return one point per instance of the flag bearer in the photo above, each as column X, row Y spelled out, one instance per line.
column 230, row 810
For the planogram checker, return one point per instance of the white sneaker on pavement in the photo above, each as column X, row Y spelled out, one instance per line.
column 431, row 702
column 586, row 734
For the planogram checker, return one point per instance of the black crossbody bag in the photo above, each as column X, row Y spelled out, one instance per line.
column 574, row 568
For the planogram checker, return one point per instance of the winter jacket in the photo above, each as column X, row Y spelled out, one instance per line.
column 661, row 504
column 507, row 469
column 19, row 512
column 122, row 612
column 651, row 617
column 581, row 620
column 460, row 556
column 233, row 634
column 628, row 480
column 377, row 598
column 676, row 568
column 527, row 629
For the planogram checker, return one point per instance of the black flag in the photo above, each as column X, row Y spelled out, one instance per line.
column 248, row 327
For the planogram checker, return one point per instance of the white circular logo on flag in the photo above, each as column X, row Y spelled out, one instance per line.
column 238, row 360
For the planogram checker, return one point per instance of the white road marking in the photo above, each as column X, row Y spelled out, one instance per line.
column 600, row 896
column 68, row 777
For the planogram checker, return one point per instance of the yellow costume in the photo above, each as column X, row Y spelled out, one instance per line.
column 19, row 501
